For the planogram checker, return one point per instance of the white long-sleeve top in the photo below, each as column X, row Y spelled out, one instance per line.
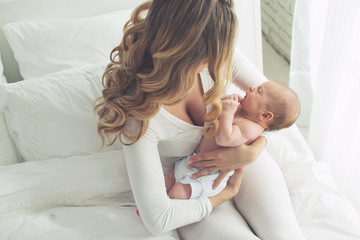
column 167, row 139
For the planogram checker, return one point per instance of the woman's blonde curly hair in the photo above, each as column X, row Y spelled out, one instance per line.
column 164, row 43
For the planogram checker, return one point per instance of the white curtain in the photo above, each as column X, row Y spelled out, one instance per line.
column 325, row 73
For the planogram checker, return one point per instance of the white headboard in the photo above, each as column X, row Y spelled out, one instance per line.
column 248, row 12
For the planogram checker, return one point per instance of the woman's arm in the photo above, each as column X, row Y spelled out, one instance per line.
column 158, row 212
column 244, row 73
column 231, row 189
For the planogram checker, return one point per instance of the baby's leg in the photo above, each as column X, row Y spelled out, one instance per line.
column 180, row 191
column 169, row 181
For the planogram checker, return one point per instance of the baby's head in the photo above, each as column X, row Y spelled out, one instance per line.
column 272, row 104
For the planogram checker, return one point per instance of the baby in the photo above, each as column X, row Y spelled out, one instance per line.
column 270, row 106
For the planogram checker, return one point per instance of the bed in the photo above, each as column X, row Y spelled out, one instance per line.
column 56, row 182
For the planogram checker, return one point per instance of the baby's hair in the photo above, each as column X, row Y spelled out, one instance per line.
column 285, row 107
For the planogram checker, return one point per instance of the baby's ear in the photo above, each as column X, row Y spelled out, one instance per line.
column 266, row 116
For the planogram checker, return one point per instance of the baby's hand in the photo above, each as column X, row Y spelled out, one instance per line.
column 231, row 102
column 232, row 96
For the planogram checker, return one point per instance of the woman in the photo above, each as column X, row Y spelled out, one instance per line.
column 155, row 92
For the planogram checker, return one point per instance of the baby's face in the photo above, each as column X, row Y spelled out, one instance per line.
column 257, row 98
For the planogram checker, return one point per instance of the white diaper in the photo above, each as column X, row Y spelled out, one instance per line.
column 202, row 186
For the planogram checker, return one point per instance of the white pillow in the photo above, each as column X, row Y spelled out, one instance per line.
column 7, row 150
column 2, row 77
column 52, row 116
column 43, row 47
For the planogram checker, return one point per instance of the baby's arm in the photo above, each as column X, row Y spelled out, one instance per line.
column 229, row 134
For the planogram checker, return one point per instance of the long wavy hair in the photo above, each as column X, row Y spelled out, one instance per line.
column 164, row 43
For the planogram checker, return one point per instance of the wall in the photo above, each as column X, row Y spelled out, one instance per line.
column 276, row 20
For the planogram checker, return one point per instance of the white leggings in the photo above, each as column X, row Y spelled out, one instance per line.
column 263, row 203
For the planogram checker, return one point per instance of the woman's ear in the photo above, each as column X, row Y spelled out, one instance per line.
column 266, row 116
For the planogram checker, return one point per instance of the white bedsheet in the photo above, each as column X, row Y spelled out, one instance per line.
column 88, row 197
column 83, row 197
column 322, row 211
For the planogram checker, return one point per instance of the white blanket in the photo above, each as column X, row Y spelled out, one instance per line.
column 84, row 197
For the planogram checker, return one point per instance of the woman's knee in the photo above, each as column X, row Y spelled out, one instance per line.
column 219, row 231
column 223, row 223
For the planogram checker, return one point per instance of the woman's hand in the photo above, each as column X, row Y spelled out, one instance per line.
column 231, row 189
column 226, row 159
